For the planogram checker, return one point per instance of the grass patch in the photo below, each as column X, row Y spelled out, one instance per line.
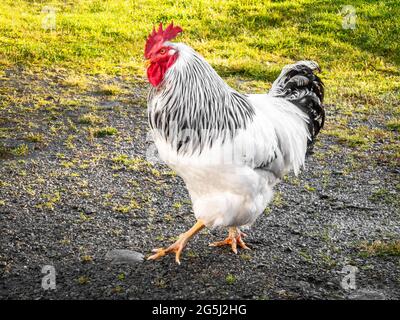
column 90, row 119
column 309, row 188
column 361, row 136
column 251, row 39
column 177, row 205
column 348, row 138
column 109, row 90
column 77, row 81
column 133, row 204
column 34, row 137
column 86, row 259
column 51, row 201
column 230, row 279
column 82, row 280
column 104, row 132
column 132, row 163
column 18, row 151
column 383, row 195
column 393, row 125
column 380, row 248
column 278, row 200
column 305, row 256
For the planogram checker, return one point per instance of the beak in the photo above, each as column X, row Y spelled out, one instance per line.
column 147, row 63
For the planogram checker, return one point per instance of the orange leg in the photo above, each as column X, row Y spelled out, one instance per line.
column 234, row 239
column 179, row 245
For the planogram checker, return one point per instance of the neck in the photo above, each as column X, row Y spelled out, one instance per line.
column 193, row 96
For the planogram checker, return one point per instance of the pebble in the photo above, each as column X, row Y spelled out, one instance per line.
column 123, row 256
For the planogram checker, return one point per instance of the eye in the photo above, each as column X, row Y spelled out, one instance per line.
column 162, row 51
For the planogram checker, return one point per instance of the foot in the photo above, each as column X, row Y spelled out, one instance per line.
column 176, row 247
column 234, row 239
column 179, row 245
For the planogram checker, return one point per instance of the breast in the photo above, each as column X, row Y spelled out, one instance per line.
column 226, row 196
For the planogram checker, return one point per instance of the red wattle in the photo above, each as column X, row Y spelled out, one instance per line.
column 155, row 74
column 157, row 70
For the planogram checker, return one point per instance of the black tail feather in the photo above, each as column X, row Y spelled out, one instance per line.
column 298, row 84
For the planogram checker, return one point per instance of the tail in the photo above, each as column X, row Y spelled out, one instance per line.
column 298, row 84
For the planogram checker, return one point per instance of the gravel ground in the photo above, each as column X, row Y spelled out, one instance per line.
column 79, row 192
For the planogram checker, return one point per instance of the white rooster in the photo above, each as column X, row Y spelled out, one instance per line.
column 229, row 148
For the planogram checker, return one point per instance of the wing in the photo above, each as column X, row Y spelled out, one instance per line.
column 276, row 140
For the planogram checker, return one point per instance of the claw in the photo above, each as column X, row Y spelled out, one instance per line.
column 242, row 244
column 179, row 245
column 234, row 239
column 158, row 254
column 178, row 256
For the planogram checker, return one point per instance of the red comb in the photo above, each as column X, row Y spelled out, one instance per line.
column 160, row 36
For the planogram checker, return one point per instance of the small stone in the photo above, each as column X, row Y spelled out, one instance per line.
column 123, row 256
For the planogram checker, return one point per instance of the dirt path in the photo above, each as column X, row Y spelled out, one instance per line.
column 74, row 185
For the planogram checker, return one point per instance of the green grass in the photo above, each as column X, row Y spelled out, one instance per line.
column 104, row 132
column 34, row 137
column 75, row 81
column 385, row 196
column 380, row 248
column 393, row 125
column 247, row 42
column 230, row 279
column 90, row 119
column 248, row 38
column 18, row 151
column 109, row 90
column 83, row 280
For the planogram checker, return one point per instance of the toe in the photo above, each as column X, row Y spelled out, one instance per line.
column 234, row 245
column 158, row 254
column 153, row 257
column 178, row 256
column 242, row 244
column 219, row 243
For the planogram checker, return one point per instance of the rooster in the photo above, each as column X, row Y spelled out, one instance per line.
column 229, row 148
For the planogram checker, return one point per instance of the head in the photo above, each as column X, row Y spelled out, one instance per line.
column 160, row 53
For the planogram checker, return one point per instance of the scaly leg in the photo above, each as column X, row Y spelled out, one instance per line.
column 179, row 245
column 234, row 239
